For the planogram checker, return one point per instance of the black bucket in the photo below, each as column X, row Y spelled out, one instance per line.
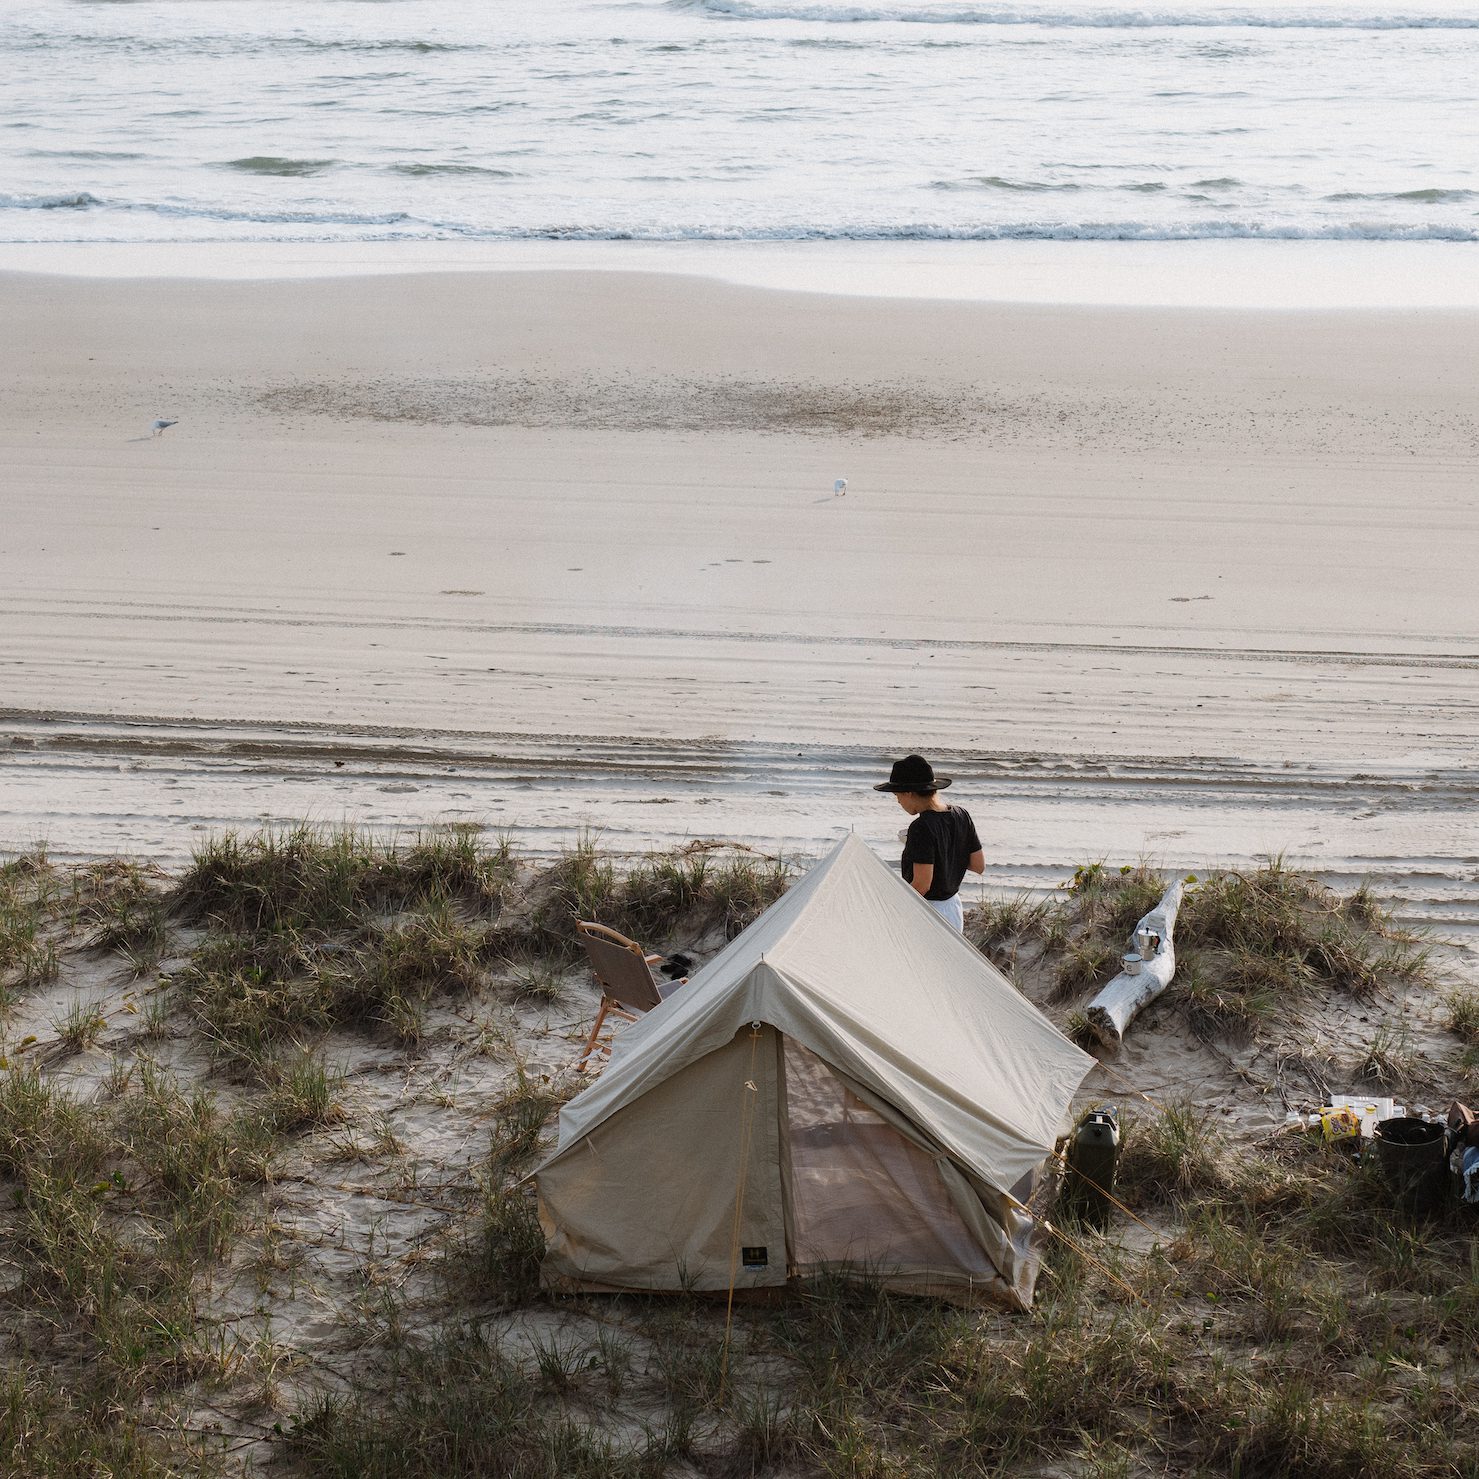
column 1411, row 1155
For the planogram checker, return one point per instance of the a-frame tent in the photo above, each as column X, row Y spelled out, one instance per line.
column 848, row 1085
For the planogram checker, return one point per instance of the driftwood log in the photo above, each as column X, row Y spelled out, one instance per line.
column 1112, row 1011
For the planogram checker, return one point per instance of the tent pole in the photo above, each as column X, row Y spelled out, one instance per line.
column 747, row 1130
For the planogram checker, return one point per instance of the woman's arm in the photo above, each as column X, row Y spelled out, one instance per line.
column 923, row 876
column 977, row 863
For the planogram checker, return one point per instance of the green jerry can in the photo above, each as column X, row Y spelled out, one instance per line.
column 1093, row 1154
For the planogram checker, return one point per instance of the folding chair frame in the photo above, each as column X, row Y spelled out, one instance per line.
column 610, row 1005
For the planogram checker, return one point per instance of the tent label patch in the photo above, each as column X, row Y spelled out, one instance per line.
column 754, row 1257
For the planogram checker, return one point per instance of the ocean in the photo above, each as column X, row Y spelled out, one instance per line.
column 736, row 120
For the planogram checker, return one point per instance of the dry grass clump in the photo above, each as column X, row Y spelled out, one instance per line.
column 126, row 908
column 461, row 1408
column 1390, row 1060
column 522, row 1114
column 303, row 1093
column 500, row 1261
column 1249, row 945
column 1110, row 903
column 1463, row 1015
column 1260, row 942
column 80, row 1026
column 499, row 1258
column 48, row 1430
column 319, row 879
column 118, row 1205
column 311, row 929
column 111, row 1213
column 255, row 992
column 692, row 889
column 314, row 928
column 999, row 928
column 113, row 905
column 1172, row 1154
column 393, row 970
column 29, row 894
column 1085, row 962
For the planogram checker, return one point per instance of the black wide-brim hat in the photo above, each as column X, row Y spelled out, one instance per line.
column 913, row 773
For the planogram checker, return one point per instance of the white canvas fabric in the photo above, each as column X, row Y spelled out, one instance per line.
column 684, row 1149
column 854, row 968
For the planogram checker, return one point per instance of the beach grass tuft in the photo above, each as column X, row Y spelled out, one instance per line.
column 696, row 890
column 1463, row 1014
column 28, row 901
column 1174, row 1152
column 319, row 879
column 80, row 1026
column 1250, row 945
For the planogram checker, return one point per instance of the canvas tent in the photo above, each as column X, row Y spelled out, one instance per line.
column 848, row 1085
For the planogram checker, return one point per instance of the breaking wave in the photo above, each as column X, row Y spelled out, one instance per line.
column 74, row 200
column 402, row 225
column 1313, row 18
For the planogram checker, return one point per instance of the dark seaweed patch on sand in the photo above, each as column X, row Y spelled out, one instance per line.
column 1056, row 416
column 624, row 403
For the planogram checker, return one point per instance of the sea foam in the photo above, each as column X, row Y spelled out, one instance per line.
column 1307, row 18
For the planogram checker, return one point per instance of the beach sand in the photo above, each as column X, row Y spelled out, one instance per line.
column 553, row 551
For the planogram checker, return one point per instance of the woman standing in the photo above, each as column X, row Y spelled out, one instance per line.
column 940, row 845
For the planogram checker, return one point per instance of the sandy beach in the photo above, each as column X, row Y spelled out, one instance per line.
column 555, row 551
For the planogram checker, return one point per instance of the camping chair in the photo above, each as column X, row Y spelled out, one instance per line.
column 623, row 971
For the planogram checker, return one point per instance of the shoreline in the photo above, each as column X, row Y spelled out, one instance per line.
column 1242, row 275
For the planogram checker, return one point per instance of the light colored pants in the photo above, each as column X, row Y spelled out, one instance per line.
column 950, row 910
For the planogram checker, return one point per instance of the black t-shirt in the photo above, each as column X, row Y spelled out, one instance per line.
column 945, row 838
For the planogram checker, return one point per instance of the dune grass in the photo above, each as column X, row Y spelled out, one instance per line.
column 127, row 909
column 48, row 1430
column 1242, row 1351
column 28, row 901
column 498, row 1257
column 316, row 928
column 109, row 1222
column 1463, row 1015
column 115, row 905
column 310, row 929
column 695, row 889
column 1250, row 945
column 320, row 879
column 1287, row 1322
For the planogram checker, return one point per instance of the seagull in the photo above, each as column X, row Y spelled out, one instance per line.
column 839, row 488
column 160, row 427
